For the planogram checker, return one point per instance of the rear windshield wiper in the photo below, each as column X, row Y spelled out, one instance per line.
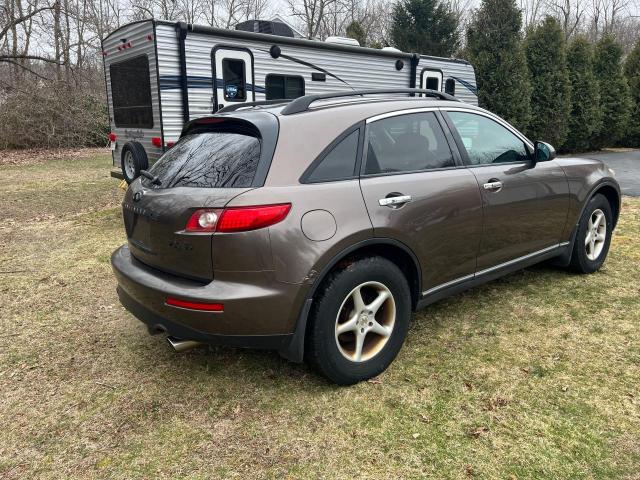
column 154, row 178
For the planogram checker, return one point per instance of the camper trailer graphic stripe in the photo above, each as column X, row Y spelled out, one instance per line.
column 172, row 82
column 469, row 86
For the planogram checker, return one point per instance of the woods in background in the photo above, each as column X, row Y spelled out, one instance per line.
column 566, row 71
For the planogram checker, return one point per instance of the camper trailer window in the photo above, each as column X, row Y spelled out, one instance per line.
column 450, row 86
column 233, row 76
column 131, row 93
column 433, row 83
column 284, row 87
column 339, row 163
column 407, row 143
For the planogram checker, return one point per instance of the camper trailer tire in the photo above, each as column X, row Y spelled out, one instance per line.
column 134, row 159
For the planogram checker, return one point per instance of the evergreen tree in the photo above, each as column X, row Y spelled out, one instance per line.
column 494, row 47
column 550, row 93
column 355, row 30
column 632, row 72
column 615, row 101
column 585, row 118
column 425, row 26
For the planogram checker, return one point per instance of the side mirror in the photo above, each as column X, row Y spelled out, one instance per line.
column 543, row 152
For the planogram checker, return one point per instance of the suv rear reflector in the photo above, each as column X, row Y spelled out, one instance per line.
column 206, row 307
column 237, row 219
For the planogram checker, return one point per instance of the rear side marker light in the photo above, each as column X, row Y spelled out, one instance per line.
column 237, row 219
column 112, row 137
column 156, row 142
column 205, row 307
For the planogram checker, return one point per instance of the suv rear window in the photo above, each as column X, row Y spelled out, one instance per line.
column 210, row 160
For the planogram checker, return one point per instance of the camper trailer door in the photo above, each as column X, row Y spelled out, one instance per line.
column 233, row 76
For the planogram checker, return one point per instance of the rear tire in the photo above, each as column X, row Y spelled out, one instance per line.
column 593, row 237
column 349, row 340
column 134, row 158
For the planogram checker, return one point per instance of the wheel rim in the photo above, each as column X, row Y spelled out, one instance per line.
column 129, row 164
column 596, row 234
column 365, row 321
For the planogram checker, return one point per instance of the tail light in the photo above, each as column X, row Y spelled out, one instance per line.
column 156, row 142
column 237, row 219
column 112, row 137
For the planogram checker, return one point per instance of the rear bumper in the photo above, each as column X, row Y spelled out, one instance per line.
column 259, row 312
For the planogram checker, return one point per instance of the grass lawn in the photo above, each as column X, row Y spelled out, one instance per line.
column 533, row 376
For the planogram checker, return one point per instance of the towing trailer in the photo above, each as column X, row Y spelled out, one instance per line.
column 159, row 75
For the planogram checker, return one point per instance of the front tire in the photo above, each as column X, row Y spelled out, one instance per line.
column 359, row 321
column 593, row 237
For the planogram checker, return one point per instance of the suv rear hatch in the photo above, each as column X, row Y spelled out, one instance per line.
column 216, row 159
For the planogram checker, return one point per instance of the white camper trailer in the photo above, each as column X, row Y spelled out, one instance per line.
column 159, row 75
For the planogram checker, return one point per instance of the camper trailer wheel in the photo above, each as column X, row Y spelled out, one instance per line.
column 134, row 159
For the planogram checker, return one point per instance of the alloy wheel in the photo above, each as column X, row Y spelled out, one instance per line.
column 596, row 234
column 365, row 321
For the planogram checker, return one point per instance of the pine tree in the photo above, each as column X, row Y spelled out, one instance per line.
column 425, row 26
column 632, row 72
column 615, row 101
column 355, row 30
column 494, row 47
column 545, row 50
column 585, row 118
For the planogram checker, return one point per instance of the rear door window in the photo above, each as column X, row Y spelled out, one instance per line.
column 407, row 143
column 131, row 93
column 209, row 160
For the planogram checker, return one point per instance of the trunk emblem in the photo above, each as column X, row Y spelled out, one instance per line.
column 137, row 196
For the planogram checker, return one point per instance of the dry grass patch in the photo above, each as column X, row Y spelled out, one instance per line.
column 534, row 375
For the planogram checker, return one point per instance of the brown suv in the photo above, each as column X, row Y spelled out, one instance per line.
column 316, row 227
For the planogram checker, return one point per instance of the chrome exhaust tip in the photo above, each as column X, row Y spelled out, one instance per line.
column 180, row 345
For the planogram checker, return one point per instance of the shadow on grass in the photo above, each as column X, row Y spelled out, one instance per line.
column 267, row 369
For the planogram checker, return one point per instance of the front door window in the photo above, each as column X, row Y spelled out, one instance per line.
column 486, row 141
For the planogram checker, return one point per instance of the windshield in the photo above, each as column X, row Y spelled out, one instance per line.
column 211, row 159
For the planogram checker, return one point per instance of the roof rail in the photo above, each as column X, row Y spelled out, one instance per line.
column 238, row 106
column 301, row 104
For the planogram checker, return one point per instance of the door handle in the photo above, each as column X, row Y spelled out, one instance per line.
column 394, row 201
column 493, row 185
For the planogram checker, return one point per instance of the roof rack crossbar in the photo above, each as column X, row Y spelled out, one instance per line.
column 238, row 106
column 302, row 104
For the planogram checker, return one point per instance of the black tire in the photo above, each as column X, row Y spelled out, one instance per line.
column 322, row 350
column 580, row 261
column 138, row 158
